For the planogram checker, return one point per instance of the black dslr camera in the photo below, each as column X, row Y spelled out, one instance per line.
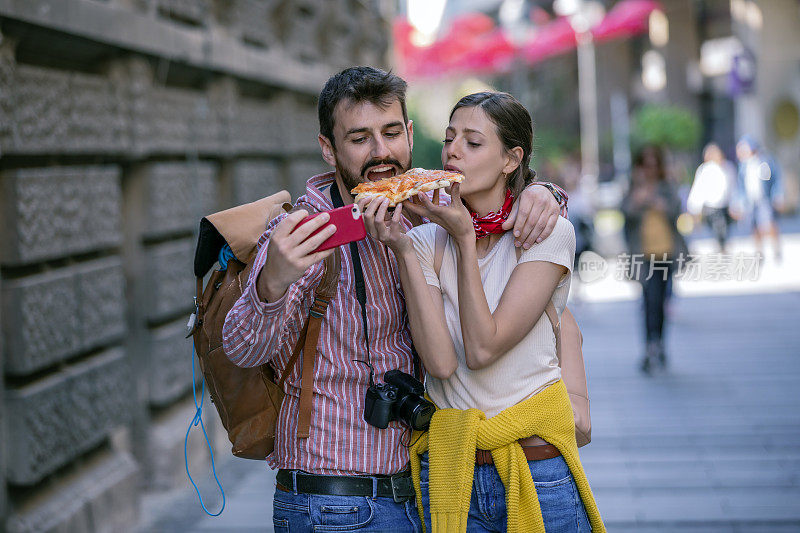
column 400, row 398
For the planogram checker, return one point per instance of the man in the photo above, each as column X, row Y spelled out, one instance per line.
column 760, row 188
column 347, row 473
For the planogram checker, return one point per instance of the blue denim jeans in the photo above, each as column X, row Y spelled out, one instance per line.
column 317, row 513
column 562, row 508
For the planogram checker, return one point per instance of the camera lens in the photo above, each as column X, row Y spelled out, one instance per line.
column 421, row 416
column 414, row 410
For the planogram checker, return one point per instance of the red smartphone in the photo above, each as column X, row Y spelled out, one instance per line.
column 349, row 226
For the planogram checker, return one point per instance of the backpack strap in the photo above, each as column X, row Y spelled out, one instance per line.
column 307, row 342
column 308, row 339
column 323, row 296
column 555, row 322
column 573, row 373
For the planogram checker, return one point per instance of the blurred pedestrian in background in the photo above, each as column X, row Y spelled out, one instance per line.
column 651, row 210
column 760, row 190
column 711, row 193
column 581, row 214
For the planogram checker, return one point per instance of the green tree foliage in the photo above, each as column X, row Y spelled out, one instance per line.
column 427, row 150
column 672, row 127
column 553, row 145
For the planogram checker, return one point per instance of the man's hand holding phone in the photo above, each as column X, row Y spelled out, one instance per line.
column 292, row 250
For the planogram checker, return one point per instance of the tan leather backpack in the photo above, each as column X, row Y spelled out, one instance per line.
column 248, row 400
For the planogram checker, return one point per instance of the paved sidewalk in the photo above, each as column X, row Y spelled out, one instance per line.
column 710, row 445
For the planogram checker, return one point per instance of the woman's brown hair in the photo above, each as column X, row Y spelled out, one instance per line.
column 651, row 157
column 514, row 127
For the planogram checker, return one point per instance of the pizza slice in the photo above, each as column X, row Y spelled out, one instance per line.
column 386, row 187
column 403, row 186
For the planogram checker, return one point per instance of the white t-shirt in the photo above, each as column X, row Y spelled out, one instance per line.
column 756, row 172
column 712, row 187
column 528, row 367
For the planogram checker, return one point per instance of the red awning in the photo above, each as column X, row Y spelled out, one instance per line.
column 551, row 40
column 625, row 19
column 474, row 44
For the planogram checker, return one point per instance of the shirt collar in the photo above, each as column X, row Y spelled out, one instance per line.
column 316, row 191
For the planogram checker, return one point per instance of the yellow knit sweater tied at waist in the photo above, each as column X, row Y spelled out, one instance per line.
column 453, row 437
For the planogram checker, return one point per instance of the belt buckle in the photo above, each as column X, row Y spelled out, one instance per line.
column 401, row 484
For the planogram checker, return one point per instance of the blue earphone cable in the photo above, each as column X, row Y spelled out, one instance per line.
column 198, row 419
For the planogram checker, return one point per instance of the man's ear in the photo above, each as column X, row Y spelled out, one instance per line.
column 513, row 159
column 410, row 128
column 328, row 153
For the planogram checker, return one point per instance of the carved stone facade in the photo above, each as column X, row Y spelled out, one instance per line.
column 122, row 122
column 59, row 211
column 56, row 419
column 178, row 194
column 256, row 179
column 52, row 316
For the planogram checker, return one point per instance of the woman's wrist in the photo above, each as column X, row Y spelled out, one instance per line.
column 464, row 232
column 402, row 247
column 466, row 240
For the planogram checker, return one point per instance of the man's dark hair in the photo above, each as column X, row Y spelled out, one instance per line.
column 359, row 84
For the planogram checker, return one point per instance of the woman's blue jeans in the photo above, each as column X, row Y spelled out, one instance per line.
column 562, row 508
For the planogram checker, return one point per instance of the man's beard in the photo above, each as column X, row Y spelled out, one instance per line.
column 351, row 180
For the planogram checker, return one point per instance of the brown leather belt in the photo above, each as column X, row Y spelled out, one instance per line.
column 532, row 453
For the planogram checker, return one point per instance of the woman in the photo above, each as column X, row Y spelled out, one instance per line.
column 651, row 210
column 479, row 325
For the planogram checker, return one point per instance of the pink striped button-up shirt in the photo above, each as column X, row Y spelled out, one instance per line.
column 256, row 332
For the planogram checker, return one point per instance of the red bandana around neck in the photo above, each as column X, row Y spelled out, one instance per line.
column 492, row 222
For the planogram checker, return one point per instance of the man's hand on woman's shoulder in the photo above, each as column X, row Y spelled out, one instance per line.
column 533, row 216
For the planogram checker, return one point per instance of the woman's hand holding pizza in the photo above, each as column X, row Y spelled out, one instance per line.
column 454, row 217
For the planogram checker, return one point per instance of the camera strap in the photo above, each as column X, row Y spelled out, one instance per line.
column 361, row 291
column 361, row 288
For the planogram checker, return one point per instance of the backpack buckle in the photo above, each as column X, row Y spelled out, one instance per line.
column 192, row 324
column 318, row 307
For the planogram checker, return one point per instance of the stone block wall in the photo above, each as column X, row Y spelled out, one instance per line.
column 122, row 122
